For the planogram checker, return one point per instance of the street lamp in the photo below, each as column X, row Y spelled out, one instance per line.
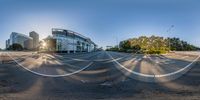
column 169, row 31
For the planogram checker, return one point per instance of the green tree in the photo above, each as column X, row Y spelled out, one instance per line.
column 126, row 44
column 155, row 44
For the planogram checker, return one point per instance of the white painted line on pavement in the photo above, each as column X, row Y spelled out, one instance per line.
column 113, row 60
column 140, row 74
column 106, row 84
column 40, row 74
column 178, row 71
column 147, row 75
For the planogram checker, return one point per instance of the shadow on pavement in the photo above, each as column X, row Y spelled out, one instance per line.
column 102, row 81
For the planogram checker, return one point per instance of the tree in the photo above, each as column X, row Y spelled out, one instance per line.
column 179, row 45
column 15, row 46
column 155, row 44
column 126, row 44
column 136, row 48
column 115, row 48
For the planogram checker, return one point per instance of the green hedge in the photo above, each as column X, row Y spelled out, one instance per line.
column 156, row 52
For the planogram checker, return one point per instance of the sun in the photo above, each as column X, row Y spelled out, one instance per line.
column 44, row 44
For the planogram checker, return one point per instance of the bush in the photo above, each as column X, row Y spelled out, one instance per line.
column 156, row 52
column 16, row 47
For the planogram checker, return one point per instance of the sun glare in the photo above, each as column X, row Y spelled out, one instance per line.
column 44, row 44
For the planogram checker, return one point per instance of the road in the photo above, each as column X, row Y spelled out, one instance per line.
column 98, row 75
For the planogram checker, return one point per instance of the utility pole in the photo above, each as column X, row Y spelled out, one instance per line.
column 169, row 31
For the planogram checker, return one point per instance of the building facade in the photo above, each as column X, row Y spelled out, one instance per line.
column 35, row 37
column 69, row 41
column 28, row 44
column 7, row 43
column 18, row 38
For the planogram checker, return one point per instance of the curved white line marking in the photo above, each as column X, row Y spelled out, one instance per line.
column 147, row 75
column 50, row 75
column 114, row 59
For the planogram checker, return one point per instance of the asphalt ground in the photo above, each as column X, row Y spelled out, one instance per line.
column 95, row 76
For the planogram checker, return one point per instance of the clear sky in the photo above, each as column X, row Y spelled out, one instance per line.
column 104, row 21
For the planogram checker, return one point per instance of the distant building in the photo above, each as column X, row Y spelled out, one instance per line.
column 18, row 38
column 28, row 44
column 35, row 37
column 109, row 47
column 7, row 43
column 69, row 41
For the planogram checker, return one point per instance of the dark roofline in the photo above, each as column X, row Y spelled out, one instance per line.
column 75, row 33
column 22, row 35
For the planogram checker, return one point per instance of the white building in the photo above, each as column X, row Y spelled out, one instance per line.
column 35, row 37
column 69, row 41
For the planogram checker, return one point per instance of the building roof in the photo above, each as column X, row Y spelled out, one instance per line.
column 23, row 35
column 73, row 33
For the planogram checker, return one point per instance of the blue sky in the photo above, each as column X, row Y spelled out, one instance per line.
column 104, row 21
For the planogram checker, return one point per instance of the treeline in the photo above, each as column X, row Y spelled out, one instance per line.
column 15, row 47
column 179, row 45
column 153, row 45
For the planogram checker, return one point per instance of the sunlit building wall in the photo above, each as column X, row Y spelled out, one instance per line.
column 28, row 44
column 35, row 37
column 69, row 41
